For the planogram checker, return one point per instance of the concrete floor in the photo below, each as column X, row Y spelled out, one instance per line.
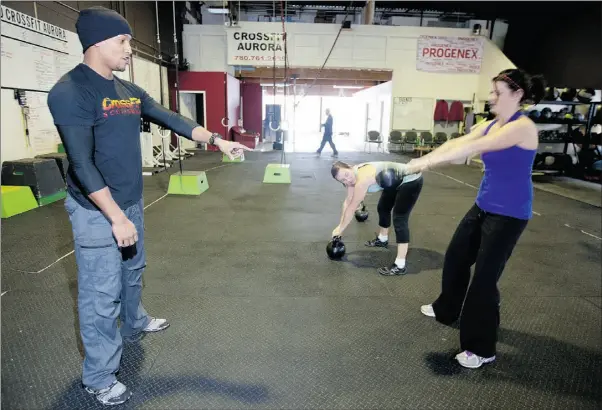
column 262, row 319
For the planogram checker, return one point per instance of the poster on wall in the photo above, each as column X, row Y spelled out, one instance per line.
column 413, row 113
column 249, row 46
column 443, row 54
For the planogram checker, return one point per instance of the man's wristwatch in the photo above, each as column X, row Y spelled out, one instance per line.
column 214, row 137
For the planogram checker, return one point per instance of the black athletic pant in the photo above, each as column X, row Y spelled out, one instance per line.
column 488, row 240
column 401, row 200
column 327, row 138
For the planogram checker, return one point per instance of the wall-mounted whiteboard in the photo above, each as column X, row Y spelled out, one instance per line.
column 413, row 113
column 30, row 67
column 34, row 56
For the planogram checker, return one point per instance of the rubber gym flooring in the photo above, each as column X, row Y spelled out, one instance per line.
column 260, row 318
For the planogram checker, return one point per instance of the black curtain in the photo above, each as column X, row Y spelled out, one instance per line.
column 563, row 42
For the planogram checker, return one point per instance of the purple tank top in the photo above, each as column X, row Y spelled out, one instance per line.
column 506, row 188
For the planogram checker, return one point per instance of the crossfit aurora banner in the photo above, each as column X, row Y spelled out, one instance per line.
column 255, row 47
column 439, row 54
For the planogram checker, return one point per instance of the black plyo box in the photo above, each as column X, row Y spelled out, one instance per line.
column 42, row 175
column 61, row 161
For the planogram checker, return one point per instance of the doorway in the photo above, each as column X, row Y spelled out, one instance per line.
column 305, row 116
column 192, row 105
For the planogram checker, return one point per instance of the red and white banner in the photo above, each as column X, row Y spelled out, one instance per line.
column 438, row 54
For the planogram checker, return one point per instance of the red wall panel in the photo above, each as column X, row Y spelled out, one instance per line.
column 213, row 83
column 252, row 107
column 233, row 101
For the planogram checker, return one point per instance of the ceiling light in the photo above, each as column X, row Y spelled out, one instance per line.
column 351, row 87
column 213, row 10
column 272, row 84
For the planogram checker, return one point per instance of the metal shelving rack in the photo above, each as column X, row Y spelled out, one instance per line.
column 571, row 123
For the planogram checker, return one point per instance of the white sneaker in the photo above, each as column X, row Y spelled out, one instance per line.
column 114, row 394
column 471, row 360
column 156, row 325
column 427, row 310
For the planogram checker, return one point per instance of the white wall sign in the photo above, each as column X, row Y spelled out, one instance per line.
column 23, row 20
column 439, row 54
column 255, row 47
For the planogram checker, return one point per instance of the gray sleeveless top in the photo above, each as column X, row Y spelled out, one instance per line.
column 387, row 171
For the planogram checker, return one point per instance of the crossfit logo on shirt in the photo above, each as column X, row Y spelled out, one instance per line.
column 121, row 107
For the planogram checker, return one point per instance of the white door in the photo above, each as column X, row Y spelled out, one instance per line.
column 188, row 109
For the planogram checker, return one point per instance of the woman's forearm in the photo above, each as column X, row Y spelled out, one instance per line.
column 455, row 151
column 448, row 145
column 345, row 205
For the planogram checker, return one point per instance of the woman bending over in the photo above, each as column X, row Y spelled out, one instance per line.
column 399, row 194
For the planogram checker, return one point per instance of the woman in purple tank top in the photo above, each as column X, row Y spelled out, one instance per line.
column 489, row 231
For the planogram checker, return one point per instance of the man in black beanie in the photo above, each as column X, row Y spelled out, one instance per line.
column 98, row 118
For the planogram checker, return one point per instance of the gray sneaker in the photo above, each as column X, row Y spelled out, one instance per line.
column 155, row 325
column 113, row 395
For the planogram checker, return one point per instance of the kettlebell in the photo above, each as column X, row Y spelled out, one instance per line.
column 335, row 248
column 361, row 214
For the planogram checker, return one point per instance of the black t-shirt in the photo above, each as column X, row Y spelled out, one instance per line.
column 99, row 122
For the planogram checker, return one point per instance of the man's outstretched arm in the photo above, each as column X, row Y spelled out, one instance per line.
column 183, row 126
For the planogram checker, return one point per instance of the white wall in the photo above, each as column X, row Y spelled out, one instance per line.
column 500, row 30
column 205, row 49
column 379, row 99
column 363, row 47
column 494, row 61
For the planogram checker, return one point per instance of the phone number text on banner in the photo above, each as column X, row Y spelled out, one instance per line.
column 438, row 54
column 255, row 47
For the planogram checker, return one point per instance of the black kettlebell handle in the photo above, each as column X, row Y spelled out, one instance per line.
column 336, row 239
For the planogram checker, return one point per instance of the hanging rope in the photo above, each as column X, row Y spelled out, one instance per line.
column 329, row 53
column 282, row 8
column 163, row 133
column 273, row 75
column 177, row 59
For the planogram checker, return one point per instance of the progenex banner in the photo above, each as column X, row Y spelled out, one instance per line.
column 442, row 54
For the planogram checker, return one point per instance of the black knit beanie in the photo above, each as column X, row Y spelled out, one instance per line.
column 97, row 24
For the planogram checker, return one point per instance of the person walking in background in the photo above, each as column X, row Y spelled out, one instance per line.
column 327, row 137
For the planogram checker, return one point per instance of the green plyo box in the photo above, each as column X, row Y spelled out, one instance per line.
column 188, row 183
column 45, row 200
column 17, row 200
column 225, row 158
column 277, row 174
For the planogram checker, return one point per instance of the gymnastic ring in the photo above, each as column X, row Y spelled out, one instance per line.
column 273, row 129
column 164, row 133
column 227, row 120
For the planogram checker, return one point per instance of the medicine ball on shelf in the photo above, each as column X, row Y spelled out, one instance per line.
column 552, row 94
column 568, row 94
column 577, row 137
column 546, row 113
column 586, row 95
